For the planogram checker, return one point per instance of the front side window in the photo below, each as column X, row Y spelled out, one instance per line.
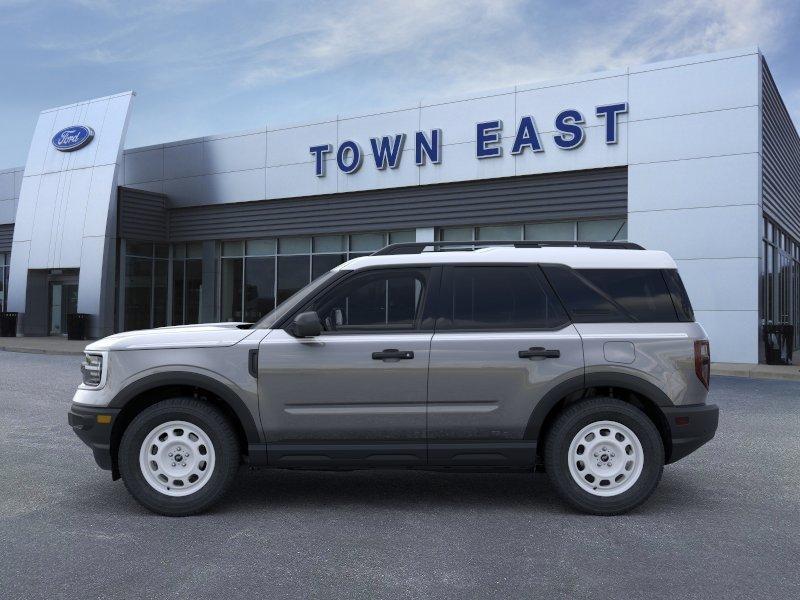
column 384, row 300
column 495, row 297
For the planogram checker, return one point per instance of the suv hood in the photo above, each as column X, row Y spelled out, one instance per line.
column 207, row 335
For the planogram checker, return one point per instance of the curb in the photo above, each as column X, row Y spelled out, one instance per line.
column 746, row 372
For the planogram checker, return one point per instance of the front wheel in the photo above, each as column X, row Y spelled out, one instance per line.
column 179, row 456
column 604, row 456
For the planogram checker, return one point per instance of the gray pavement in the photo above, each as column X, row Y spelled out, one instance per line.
column 724, row 523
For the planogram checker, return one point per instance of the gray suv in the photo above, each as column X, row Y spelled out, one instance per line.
column 583, row 359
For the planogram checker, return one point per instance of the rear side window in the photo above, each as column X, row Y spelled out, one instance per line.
column 614, row 295
column 642, row 293
column 495, row 297
column 679, row 296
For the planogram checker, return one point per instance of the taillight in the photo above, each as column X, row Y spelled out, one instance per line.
column 702, row 361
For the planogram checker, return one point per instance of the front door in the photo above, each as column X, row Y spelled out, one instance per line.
column 63, row 301
column 502, row 341
column 356, row 394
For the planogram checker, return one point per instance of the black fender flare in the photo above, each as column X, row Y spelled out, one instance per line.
column 591, row 380
column 184, row 378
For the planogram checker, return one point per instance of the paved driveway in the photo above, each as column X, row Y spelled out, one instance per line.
column 724, row 523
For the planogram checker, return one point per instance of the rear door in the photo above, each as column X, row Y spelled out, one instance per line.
column 502, row 341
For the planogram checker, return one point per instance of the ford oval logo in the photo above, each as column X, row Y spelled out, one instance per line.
column 72, row 138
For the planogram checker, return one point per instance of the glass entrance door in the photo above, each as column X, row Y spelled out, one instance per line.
column 63, row 301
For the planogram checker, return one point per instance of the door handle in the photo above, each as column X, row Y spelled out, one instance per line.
column 539, row 352
column 393, row 353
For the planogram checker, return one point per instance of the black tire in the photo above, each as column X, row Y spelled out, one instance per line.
column 226, row 450
column 581, row 414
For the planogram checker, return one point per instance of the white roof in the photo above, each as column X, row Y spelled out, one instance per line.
column 578, row 258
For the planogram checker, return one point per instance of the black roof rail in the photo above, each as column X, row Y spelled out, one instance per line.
column 419, row 247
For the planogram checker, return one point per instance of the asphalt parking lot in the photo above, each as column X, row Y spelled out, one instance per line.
column 724, row 523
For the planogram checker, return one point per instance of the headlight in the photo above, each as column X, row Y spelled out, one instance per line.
column 92, row 369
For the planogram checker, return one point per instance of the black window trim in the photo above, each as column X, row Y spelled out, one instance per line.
column 446, row 290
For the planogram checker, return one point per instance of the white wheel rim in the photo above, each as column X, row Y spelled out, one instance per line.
column 177, row 458
column 605, row 458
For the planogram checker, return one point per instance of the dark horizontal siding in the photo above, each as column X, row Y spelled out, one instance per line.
column 6, row 237
column 142, row 215
column 586, row 194
column 780, row 165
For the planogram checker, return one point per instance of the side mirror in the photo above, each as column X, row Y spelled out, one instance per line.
column 306, row 325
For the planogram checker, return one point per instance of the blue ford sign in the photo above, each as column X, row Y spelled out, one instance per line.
column 72, row 138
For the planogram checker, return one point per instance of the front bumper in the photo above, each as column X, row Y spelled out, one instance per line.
column 94, row 432
column 690, row 427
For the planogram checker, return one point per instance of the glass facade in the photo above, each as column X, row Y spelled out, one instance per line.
column 603, row 230
column 187, row 283
column 5, row 260
column 256, row 275
column 780, row 280
column 146, row 285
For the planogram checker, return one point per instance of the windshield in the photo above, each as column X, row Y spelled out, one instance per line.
column 280, row 311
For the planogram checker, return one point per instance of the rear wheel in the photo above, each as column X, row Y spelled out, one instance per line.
column 179, row 456
column 604, row 456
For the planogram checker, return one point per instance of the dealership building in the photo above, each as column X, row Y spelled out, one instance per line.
column 697, row 156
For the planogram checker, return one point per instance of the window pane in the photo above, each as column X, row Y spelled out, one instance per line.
column 500, row 232
column 261, row 247
column 641, row 292
column 330, row 243
column 364, row 242
column 138, row 281
column 456, row 234
column 232, row 248
column 194, row 250
column 679, row 296
column 144, row 249
column 586, row 303
column 293, row 273
column 194, row 291
column 160, row 286
column 259, row 288
column 179, row 251
column 375, row 301
column 563, row 231
column 162, row 250
column 599, row 231
column 502, row 297
column 397, row 237
column 298, row 245
column 177, row 291
column 231, row 290
column 622, row 236
column 322, row 263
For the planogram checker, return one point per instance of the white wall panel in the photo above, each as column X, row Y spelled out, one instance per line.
column 187, row 191
column 361, row 129
column 370, row 178
column 694, row 88
column 7, row 185
column 721, row 283
column 40, row 143
column 55, row 160
column 733, row 334
column 42, row 227
column 290, row 146
column 717, row 133
column 239, row 186
column 183, row 160
column 147, row 165
column 715, row 181
column 73, row 217
column 592, row 154
column 109, row 144
column 289, row 181
column 718, row 232
column 238, row 153
column 544, row 104
column 459, row 164
column 457, row 120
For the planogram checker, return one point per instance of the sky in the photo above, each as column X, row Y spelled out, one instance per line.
column 203, row 67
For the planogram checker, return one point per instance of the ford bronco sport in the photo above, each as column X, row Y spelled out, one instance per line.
column 580, row 358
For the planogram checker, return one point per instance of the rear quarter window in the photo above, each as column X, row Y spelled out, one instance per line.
column 608, row 295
